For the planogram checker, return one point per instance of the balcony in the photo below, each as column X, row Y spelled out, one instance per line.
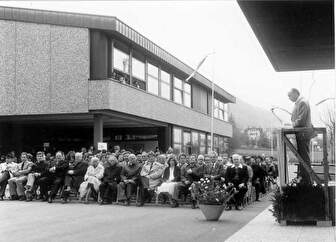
column 118, row 97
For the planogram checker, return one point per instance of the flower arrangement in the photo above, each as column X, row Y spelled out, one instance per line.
column 212, row 192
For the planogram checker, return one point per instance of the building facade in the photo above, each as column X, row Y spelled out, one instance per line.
column 71, row 80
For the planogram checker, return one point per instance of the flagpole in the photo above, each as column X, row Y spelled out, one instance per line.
column 212, row 113
column 212, row 90
column 212, row 100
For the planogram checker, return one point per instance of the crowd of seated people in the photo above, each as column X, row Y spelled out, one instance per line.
column 107, row 177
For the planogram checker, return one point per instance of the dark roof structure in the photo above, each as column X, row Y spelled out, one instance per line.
column 295, row 35
column 108, row 23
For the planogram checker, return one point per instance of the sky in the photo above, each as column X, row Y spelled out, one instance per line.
column 191, row 29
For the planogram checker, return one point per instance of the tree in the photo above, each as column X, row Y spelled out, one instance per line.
column 235, row 140
column 328, row 119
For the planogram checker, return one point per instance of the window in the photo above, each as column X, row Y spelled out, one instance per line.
column 165, row 85
column 186, row 143
column 177, row 140
column 178, row 90
column 138, row 69
column 221, row 110
column 182, row 92
column 215, row 144
column 121, row 60
column 194, row 144
column 208, row 143
column 226, row 112
column 221, row 145
column 187, row 95
column 153, row 79
column 202, row 143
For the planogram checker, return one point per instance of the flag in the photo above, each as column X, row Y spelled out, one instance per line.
column 197, row 68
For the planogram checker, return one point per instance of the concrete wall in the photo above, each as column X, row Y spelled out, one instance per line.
column 105, row 94
column 43, row 68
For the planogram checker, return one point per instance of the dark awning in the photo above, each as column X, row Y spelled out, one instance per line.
column 296, row 35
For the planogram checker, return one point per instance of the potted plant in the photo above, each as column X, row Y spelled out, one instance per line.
column 298, row 202
column 212, row 197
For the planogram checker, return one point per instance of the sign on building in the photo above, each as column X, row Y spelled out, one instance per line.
column 102, row 146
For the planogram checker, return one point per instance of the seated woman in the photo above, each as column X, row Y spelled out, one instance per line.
column 92, row 180
column 109, row 186
column 171, row 181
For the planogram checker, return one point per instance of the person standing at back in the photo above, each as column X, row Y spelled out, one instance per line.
column 301, row 118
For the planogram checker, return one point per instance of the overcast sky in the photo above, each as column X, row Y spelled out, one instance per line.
column 191, row 29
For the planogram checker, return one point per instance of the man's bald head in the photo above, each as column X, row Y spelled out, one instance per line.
column 293, row 94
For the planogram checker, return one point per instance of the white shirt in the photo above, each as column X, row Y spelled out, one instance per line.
column 239, row 166
column 171, row 173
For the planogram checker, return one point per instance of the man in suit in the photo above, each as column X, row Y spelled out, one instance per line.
column 301, row 118
column 150, row 177
column 237, row 175
column 39, row 169
column 74, row 175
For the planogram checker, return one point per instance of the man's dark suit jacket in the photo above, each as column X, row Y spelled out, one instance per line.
column 242, row 175
column 112, row 174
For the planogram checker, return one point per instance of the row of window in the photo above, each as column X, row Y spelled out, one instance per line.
column 155, row 80
column 195, row 142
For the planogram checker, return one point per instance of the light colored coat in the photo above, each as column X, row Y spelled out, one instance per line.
column 153, row 173
column 301, row 116
column 94, row 176
column 11, row 166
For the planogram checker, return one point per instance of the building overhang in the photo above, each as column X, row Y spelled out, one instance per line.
column 115, row 26
column 295, row 35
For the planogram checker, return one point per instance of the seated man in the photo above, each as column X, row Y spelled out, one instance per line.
column 151, row 174
column 109, row 186
column 92, row 180
column 19, row 179
column 130, row 179
column 74, row 176
column 186, row 179
column 215, row 169
column 182, row 159
column 6, row 170
column 39, row 169
column 54, row 178
column 237, row 175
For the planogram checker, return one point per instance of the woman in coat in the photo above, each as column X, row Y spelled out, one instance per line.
column 92, row 179
column 171, row 181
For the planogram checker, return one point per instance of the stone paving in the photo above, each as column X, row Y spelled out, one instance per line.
column 38, row 221
column 264, row 228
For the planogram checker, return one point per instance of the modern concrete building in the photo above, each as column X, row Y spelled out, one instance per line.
column 69, row 80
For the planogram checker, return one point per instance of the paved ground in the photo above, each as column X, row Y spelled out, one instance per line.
column 37, row 221
column 263, row 228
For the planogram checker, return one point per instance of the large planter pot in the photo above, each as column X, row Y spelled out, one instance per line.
column 211, row 212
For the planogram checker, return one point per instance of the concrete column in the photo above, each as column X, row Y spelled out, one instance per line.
column 98, row 126
column 165, row 137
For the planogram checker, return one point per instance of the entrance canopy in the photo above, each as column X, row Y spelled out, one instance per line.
column 295, row 35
